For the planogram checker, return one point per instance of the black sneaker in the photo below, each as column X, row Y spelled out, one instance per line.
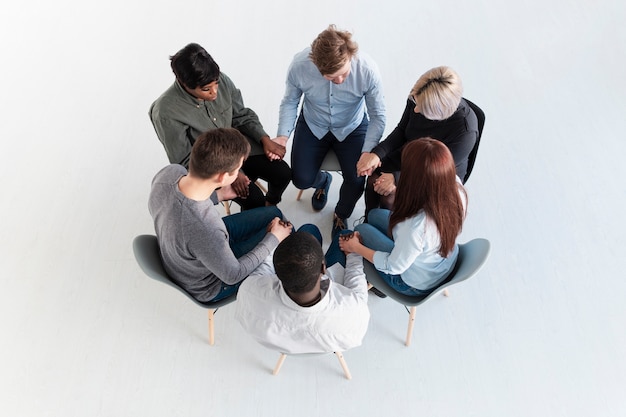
column 339, row 224
column 320, row 196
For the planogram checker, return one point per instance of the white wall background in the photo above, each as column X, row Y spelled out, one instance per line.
column 541, row 331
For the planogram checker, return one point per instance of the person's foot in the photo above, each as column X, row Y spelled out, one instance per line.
column 339, row 224
column 320, row 196
column 378, row 292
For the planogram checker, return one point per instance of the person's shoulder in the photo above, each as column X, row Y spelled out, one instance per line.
column 225, row 79
column 171, row 100
column 365, row 60
column 365, row 65
column 170, row 173
column 301, row 59
column 466, row 111
column 259, row 283
column 303, row 55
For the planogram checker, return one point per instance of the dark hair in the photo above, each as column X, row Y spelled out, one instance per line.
column 194, row 67
column 298, row 261
column 216, row 151
column 428, row 182
column 331, row 49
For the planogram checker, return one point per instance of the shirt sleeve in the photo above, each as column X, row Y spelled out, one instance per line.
column 396, row 138
column 266, row 267
column 175, row 139
column 375, row 102
column 289, row 104
column 408, row 245
column 460, row 146
column 213, row 251
column 245, row 119
column 354, row 277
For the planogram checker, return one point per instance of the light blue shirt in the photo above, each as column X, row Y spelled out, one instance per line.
column 415, row 255
column 336, row 108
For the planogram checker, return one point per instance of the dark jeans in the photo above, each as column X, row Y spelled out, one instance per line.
column 334, row 254
column 276, row 173
column 307, row 155
column 246, row 230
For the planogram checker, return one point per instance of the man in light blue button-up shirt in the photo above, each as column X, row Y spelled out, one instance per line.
column 342, row 109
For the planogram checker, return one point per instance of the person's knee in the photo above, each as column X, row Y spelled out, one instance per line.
column 281, row 173
column 303, row 180
column 378, row 217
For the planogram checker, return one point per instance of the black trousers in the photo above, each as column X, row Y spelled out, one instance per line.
column 276, row 173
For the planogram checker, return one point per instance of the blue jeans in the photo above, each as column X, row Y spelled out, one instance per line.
column 308, row 152
column 334, row 254
column 374, row 236
column 226, row 291
column 248, row 228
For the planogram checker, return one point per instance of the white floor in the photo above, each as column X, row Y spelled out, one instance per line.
column 539, row 332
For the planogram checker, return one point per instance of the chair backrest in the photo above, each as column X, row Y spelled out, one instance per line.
column 330, row 162
column 480, row 115
column 148, row 256
column 472, row 256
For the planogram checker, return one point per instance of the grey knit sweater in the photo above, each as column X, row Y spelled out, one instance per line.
column 194, row 240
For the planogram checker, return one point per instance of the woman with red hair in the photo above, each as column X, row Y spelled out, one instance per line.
column 414, row 246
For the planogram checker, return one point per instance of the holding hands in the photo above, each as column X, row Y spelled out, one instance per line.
column 274, row 149
column 279, row 228
column 367, row 163
column 350, row 242
column 225, row 193
column 385, row 184
column 241, row 185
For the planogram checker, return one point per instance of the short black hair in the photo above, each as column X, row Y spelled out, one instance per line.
column 298, row 261
column 194, row 67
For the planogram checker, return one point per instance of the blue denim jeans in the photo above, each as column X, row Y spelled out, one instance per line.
column 226, row 291
column 374, row 236
column 334, row 254
column 308, row 152
column 248, row 228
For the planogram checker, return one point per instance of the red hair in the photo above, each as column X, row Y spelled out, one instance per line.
column 428, row 182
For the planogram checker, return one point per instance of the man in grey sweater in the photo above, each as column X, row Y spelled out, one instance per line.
column 206, row 255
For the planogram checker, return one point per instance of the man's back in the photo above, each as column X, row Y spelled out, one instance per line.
column 337, row 322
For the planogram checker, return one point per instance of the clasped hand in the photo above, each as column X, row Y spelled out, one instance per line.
column 350, row 242
column 367, row 163
column 385, row 184
column 241, row 185
column 274, row 149
column 280, row 228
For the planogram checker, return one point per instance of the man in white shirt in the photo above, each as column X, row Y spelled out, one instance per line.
column 300, row 306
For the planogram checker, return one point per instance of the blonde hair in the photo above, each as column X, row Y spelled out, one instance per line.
column 331, row 49
column 437, row 93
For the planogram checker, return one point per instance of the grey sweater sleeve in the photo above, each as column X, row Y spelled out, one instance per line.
column 210, row 246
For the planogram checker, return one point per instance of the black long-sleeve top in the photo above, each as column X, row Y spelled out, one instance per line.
column 458, row 133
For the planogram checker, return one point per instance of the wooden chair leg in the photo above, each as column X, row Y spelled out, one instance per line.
column 279, row 364
column 299, row 195
column 344, row 365
column 227, row 207
column 211, row 329
column 409, row 331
